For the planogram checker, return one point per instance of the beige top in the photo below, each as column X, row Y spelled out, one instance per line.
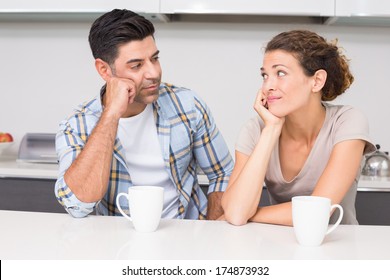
column 341, row 123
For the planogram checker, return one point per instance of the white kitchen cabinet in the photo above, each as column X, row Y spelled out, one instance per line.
column 76, row 9
column 366, row 8
column 361, row 12
column 249, row 7
column 77, row 6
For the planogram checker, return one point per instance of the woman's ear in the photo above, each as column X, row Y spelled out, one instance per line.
column 103, row 69
column 319, row 80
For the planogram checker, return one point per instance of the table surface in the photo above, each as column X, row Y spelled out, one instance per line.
column 32, row 235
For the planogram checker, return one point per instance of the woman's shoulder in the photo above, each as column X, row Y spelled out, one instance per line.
column 344, row 112
column 255, row 122
column 348, row 122
column 249, row 135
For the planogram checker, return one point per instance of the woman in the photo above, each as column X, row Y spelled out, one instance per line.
column 298, row 144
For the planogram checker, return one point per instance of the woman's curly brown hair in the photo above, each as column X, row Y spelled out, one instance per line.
column 314, row 53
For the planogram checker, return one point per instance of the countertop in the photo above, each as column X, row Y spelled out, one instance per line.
column 374, row 184
column 11, row 168
column 34, row 235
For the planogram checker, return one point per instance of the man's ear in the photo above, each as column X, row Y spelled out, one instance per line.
column 103, row 69
column 319, row 80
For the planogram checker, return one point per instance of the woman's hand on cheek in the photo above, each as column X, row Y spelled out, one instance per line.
column 261, row 107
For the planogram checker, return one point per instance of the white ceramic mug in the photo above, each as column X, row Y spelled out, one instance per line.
column 145, row 206
column 311, row 219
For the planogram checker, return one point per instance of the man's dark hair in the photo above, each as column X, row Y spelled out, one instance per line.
column 115, row 28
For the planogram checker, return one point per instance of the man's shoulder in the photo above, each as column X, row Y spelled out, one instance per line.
column 91, row 107
column 171, row 94
column 170, row 89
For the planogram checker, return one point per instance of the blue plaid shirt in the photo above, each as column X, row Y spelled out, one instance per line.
column 188, row 138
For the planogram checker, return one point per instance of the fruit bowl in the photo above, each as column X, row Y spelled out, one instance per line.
column 4, row 146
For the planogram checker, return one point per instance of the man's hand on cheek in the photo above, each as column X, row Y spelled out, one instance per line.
column 119, row 94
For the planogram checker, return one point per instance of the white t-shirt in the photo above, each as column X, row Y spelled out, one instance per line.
column 138, row 135
column 341, row 123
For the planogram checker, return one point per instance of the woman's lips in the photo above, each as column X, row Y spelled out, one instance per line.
column 271, row 99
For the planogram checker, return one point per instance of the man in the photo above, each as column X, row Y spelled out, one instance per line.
column 138, row 131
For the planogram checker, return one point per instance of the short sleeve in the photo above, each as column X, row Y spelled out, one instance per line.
column 249, row 135
column 353, row 124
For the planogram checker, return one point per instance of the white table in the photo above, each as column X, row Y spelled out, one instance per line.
column 29, row 235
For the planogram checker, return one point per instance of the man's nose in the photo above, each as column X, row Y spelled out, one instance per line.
column 152, row 70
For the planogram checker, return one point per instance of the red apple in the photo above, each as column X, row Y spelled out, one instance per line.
column 6, row 137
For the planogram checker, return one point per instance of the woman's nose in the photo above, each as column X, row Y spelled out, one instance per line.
column 269, row 84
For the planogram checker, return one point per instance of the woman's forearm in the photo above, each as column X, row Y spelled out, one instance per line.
column 279, row 214
column 241, row 199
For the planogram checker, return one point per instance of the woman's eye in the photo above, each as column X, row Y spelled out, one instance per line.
column 265, row 76
column 281, row 73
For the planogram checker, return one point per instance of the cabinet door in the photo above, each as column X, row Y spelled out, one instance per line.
column 373, row 208
column 254, row 7
column 369, row 8
column 29, row 195
column 78, row 6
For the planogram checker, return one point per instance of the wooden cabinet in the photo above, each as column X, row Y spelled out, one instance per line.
column 24, row 194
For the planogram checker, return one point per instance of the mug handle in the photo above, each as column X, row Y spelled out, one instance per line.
column 119, row 206
column 332, row 228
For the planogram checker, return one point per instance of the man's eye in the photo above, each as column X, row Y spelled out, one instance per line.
column 136, row 66
column 156, row 58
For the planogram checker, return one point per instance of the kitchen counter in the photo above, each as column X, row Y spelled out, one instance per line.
column 374, row 184
column 36, row 181
column 11, row 168
column 45, row 236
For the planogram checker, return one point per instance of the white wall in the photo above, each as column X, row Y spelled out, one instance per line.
column 47, row 69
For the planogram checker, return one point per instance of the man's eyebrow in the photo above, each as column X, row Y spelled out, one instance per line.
column 140, row 60
column 134, row 60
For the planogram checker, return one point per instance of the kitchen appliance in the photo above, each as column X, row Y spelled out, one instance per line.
column 377, row 165
column 38, row 148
